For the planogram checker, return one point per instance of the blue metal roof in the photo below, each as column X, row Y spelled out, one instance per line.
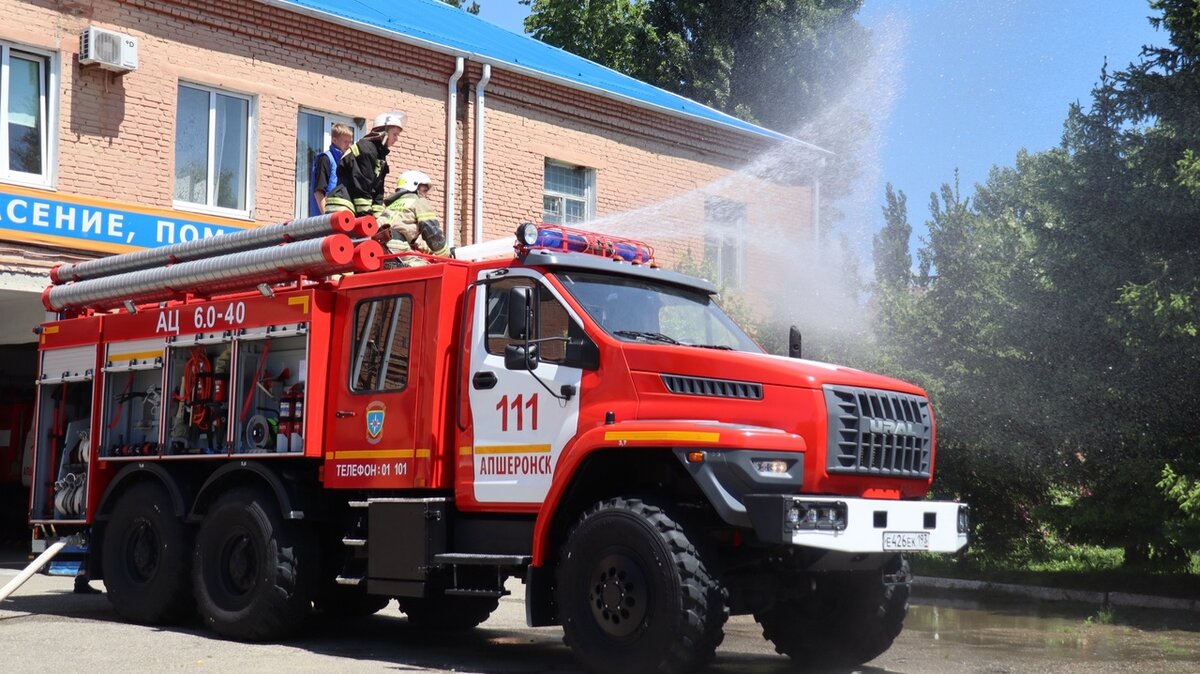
column 435, row 25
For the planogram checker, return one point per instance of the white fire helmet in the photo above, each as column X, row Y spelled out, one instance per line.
column 410, row 180
column 386, row 119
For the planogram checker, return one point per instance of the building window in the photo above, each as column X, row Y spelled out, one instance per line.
column 724, row 231
column 212, row 150
column 569, row 194
column 24, row 116
column 312, row 138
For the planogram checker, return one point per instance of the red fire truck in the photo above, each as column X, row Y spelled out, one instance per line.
column 248, row 431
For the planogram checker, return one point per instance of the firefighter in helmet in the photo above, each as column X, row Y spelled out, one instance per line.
column 362, row 170
column 408, row 222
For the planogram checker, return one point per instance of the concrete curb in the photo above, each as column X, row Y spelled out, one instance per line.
column 1059, row 594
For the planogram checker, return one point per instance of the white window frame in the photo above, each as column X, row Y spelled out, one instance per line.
column 589, row 200
column 48, row 107
column 251, row 154
column 718, row 233
column 330, row 119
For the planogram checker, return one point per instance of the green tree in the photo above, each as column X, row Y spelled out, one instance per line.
column 772, row 62
column 893, row 261
column 472, row 8
column 614, row 33
column 1055, row 317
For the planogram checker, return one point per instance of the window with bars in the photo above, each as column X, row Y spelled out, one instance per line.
column 25, row 116
column 724, row 234
column 568, row 194
column 213, row 141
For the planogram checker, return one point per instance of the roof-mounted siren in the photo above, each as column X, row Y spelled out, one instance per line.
column 569, row 239
column 110, row 50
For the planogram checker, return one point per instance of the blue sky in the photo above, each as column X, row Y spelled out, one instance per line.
column 975, row 80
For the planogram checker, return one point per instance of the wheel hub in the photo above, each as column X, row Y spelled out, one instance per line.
column 239, row 564
column 618, row 595
column 143, row 551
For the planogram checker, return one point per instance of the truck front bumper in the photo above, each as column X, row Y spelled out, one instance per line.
column 858, row 525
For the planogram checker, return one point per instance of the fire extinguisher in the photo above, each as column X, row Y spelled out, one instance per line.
column 285, row 422
column 297, row 441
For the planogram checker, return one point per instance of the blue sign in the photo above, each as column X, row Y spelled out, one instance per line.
column 94, row 224
column 374, row 423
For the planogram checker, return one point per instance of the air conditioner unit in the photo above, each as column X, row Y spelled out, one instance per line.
column 108, row 49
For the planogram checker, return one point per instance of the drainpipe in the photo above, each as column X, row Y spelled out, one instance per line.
column 452, row 149
column 479, row 107
column 816, row 209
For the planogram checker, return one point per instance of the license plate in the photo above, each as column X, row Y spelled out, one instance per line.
column 903, row 540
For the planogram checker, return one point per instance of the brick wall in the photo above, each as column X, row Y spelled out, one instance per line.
column 116, row 133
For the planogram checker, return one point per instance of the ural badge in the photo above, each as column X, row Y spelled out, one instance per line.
column 376, row 411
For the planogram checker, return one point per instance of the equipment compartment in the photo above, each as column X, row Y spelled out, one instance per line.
column 198, row 406
column 131, row 422
column 270, row 390
column 64, row 452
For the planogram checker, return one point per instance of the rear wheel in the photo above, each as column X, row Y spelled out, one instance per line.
column 448, row 614
column 850, row 619
column 254, row 572
column 635, row 594
column 146, row 555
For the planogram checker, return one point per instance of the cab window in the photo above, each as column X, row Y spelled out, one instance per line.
column 550, row 319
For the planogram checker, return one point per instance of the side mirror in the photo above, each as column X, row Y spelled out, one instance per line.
column 794, row 342
column 518, row 313
column 521, row 357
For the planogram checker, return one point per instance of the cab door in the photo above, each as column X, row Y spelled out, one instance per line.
column 521, row 420
column 374, row 390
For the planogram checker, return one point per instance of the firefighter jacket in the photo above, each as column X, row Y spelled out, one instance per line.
column 413, row 225
column 361, row 176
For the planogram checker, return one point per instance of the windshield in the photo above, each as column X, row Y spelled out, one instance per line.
column 634, row 309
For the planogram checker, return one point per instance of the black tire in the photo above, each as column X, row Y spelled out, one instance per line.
column 448, row 614
column 146, row 558
column 255, row 574
column 851, row 619
column 634, row 593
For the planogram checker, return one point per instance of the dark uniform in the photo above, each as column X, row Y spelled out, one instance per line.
column 361, row 176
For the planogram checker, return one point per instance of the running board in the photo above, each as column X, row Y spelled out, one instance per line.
column 457, row 592
column 471, row 559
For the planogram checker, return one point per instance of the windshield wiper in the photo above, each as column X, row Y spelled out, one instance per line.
column 720, row 347
column 653, row 336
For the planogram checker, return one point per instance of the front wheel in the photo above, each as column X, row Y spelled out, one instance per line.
column 255, row 574
column 634, row 593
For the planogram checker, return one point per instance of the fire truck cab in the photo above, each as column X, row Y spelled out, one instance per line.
column 571, row 415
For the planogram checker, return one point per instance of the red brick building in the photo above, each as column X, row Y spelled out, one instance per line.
column 187, row 118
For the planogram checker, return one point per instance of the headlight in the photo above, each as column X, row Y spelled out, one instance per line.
column 771, row 466
column 527, row 233
column 823, row 516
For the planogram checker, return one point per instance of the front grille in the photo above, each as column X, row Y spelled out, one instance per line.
column 714, row 388
column 874, row 432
